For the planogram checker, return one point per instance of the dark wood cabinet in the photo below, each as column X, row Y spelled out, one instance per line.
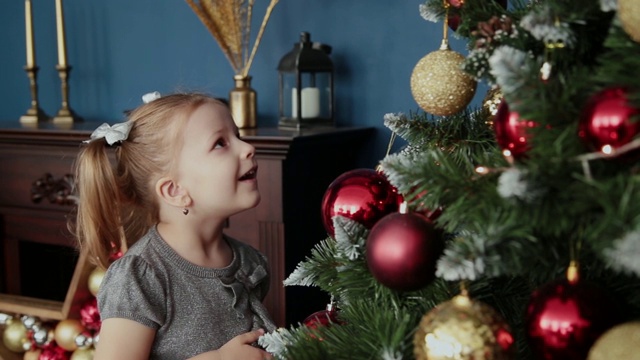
column 38, row 253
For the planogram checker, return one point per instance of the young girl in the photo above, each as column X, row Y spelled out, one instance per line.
column 182, row 289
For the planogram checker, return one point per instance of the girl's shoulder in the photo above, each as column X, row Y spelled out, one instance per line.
column 139, row 263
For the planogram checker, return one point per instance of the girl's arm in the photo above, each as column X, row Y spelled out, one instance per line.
column 124, row 339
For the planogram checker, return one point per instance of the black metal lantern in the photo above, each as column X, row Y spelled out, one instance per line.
column 306, row 79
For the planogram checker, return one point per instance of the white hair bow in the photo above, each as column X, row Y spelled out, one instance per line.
column 111, row 134
column 149, row 97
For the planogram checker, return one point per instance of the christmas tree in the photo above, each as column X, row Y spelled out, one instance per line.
column 506, row 231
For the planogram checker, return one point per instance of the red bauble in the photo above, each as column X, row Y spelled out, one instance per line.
column 512, row 133
column 402, row 251
column 564, row 319
column 362, row 195
column 90, row 316
column 606, row 120
column 54, row 352
column 453, row 21
column 322, row 318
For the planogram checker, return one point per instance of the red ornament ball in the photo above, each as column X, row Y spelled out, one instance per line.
column 54, row 352
column 362, row 195
column 564, row 319
column 402, row 251
column 322, row 318
column 512, row 132
column 90, row 316
column 454, row 21
column 606, row 120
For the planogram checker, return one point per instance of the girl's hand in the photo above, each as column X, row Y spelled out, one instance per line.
column 240, row 348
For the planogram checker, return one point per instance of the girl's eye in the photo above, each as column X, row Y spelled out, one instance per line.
column 220, row 143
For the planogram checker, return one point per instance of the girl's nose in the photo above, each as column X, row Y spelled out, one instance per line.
column 249, row 150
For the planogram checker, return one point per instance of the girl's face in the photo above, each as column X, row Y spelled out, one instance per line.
column 215, row 166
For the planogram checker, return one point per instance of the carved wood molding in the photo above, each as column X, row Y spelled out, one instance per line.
column 57, row 191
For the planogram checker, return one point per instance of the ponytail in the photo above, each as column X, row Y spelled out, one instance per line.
column 98, row 226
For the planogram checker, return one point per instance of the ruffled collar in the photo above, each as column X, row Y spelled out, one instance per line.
column 240, row 278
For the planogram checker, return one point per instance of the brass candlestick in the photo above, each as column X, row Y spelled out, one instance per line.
column 34, row 113
column 65, row 115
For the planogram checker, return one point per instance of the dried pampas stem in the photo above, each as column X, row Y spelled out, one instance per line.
column 229, row 22
column 265, row 20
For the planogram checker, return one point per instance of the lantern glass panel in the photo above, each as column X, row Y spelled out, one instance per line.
column 315, row 95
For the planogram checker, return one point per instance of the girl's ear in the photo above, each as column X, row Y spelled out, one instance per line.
column 172, row 193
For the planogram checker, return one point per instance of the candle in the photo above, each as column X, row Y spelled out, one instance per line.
column 62, row 50
column 310, row 99
column 31, row 51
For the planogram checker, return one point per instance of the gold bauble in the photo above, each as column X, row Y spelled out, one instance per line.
column 14, row 336
column 95, row 279
column 629, row 14
column 66, row 332
column 439, row 85
column 82, row 354
column 619, row 342
column 490, row 104
column 32, row 354
column 462, row 329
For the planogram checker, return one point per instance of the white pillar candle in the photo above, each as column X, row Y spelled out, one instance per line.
column 31, row 52
column 310, row 99
column 62, row 47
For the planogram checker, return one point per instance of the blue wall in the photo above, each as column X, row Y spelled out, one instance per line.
column 121, row 49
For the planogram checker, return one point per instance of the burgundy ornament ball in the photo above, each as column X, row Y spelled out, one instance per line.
column 322, row 318
column 512, row 131
column 362, row 195
column 54, row 352
column 606, row 120
column 564, row 319
column 90, row 316
column 402, row 251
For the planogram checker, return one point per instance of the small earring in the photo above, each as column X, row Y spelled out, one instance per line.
column 185, row 211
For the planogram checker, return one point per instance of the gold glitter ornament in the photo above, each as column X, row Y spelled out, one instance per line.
column 463, row 329
column 619, row 342
column 629, row 14
column 439, row 85
column 490, row 104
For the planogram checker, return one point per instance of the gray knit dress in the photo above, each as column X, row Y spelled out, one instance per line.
column 193, row 309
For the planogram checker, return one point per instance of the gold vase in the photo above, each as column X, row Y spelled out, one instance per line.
column 242, row 102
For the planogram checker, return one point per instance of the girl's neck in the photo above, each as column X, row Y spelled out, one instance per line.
column 203, row 246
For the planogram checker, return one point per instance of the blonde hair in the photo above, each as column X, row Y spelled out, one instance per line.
column 117, row 205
